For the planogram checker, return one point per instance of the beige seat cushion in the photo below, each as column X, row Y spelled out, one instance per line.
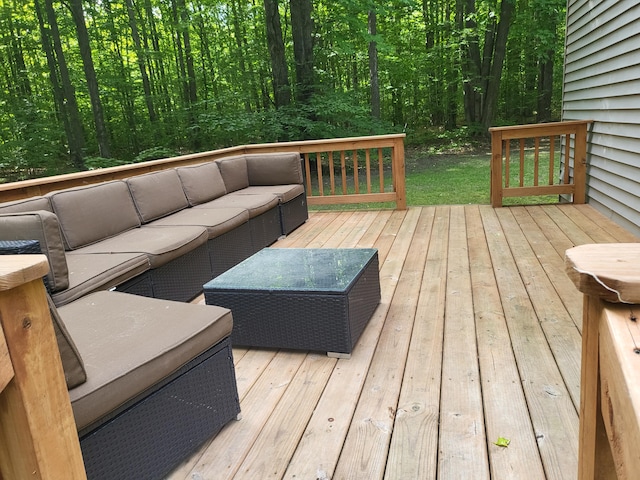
column 160, row 244
column 285, row 193
column 95, row 212
column 129, row 343
column 43, row 226
column 202, row 183
column 217, row 221
column 255, row 204
column 157, row 194
column 99, row 271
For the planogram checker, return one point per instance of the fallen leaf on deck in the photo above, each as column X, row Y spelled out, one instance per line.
column 503, row 442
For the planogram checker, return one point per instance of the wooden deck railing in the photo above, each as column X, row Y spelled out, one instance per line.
column 550, row 159
column 338, row 171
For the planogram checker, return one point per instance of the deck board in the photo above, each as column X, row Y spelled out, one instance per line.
column 477, row 336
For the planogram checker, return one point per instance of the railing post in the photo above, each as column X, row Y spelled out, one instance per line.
column 609, row 393
column 580, row 164
column 496, row 168
column 38, row 436
column 399, row 175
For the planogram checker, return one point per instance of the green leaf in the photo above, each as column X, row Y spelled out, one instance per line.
column 503, row 442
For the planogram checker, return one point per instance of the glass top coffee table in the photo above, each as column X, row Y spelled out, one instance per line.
column 308, row 299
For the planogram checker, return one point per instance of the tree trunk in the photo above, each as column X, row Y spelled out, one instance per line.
column 69, row 104
column 373, row 66
column 141, row 56
column 246, row 94
column 545, row 89
column 470, row 60
column 507, row 8
column 279, row 72
column 481, row 75
column 102, row 134
column 302, row 32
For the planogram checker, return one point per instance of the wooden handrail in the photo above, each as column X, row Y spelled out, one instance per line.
column 381, row 150
column 38, row 436
column 572, row 154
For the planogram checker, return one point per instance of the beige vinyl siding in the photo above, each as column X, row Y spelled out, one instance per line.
column 602, row 83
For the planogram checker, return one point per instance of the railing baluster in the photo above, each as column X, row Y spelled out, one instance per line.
column 307, row 169
column 332, row 179
column 521, row 177
column 356, row 180
column 552, row 155
column 343, row 167
column 536, row 161
column 567, row 156
column 507, row 162
column 381, row 169
column 368, row 167
column 319, row 171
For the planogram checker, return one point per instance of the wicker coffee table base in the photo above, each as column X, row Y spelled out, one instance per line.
column 302, row 320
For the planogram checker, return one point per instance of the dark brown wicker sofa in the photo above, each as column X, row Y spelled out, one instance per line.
column 163, row 234
column 150, row 379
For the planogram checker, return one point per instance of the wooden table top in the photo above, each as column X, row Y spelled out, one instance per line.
column 610, row 271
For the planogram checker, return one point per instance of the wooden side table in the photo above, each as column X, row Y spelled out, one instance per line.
column 609, row 277
column 38, row 437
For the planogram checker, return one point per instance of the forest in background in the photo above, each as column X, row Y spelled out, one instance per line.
column 94, row 83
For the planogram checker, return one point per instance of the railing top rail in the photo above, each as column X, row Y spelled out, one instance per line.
column 366, row 139
column 539, row 129
column 541, row 126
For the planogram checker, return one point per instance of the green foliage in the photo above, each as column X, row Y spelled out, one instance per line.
column 154, row 153
column 95, row 163
column 145, row 87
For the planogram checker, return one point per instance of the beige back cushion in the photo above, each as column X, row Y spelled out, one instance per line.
column 157, row 194
column 26, row 205
column 234, row 172
column 42, row 226
column 202, row 183
column 274, row 168
column 95, row 212
column 74, row 372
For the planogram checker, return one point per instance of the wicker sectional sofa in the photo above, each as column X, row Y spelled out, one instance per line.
column 151, row 377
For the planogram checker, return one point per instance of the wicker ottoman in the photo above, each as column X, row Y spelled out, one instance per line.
column 306, row 299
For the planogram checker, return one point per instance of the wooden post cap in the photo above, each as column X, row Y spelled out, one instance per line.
column 610, row 271
column 16, row 270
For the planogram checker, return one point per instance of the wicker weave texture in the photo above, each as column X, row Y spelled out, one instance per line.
column 302, row 320
column 139, row 285
column 265, row 228
column 182, row 278
column 230, row 249
column 293, row 213
column 151, row 437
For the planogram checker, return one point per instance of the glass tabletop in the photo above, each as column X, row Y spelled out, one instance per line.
column 300, row 269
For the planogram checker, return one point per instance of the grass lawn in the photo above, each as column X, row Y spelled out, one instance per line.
column 452, row 179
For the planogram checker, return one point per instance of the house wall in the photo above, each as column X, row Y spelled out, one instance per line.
column 602, row 83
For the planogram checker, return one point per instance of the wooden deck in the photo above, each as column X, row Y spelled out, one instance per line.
column 477, row 337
